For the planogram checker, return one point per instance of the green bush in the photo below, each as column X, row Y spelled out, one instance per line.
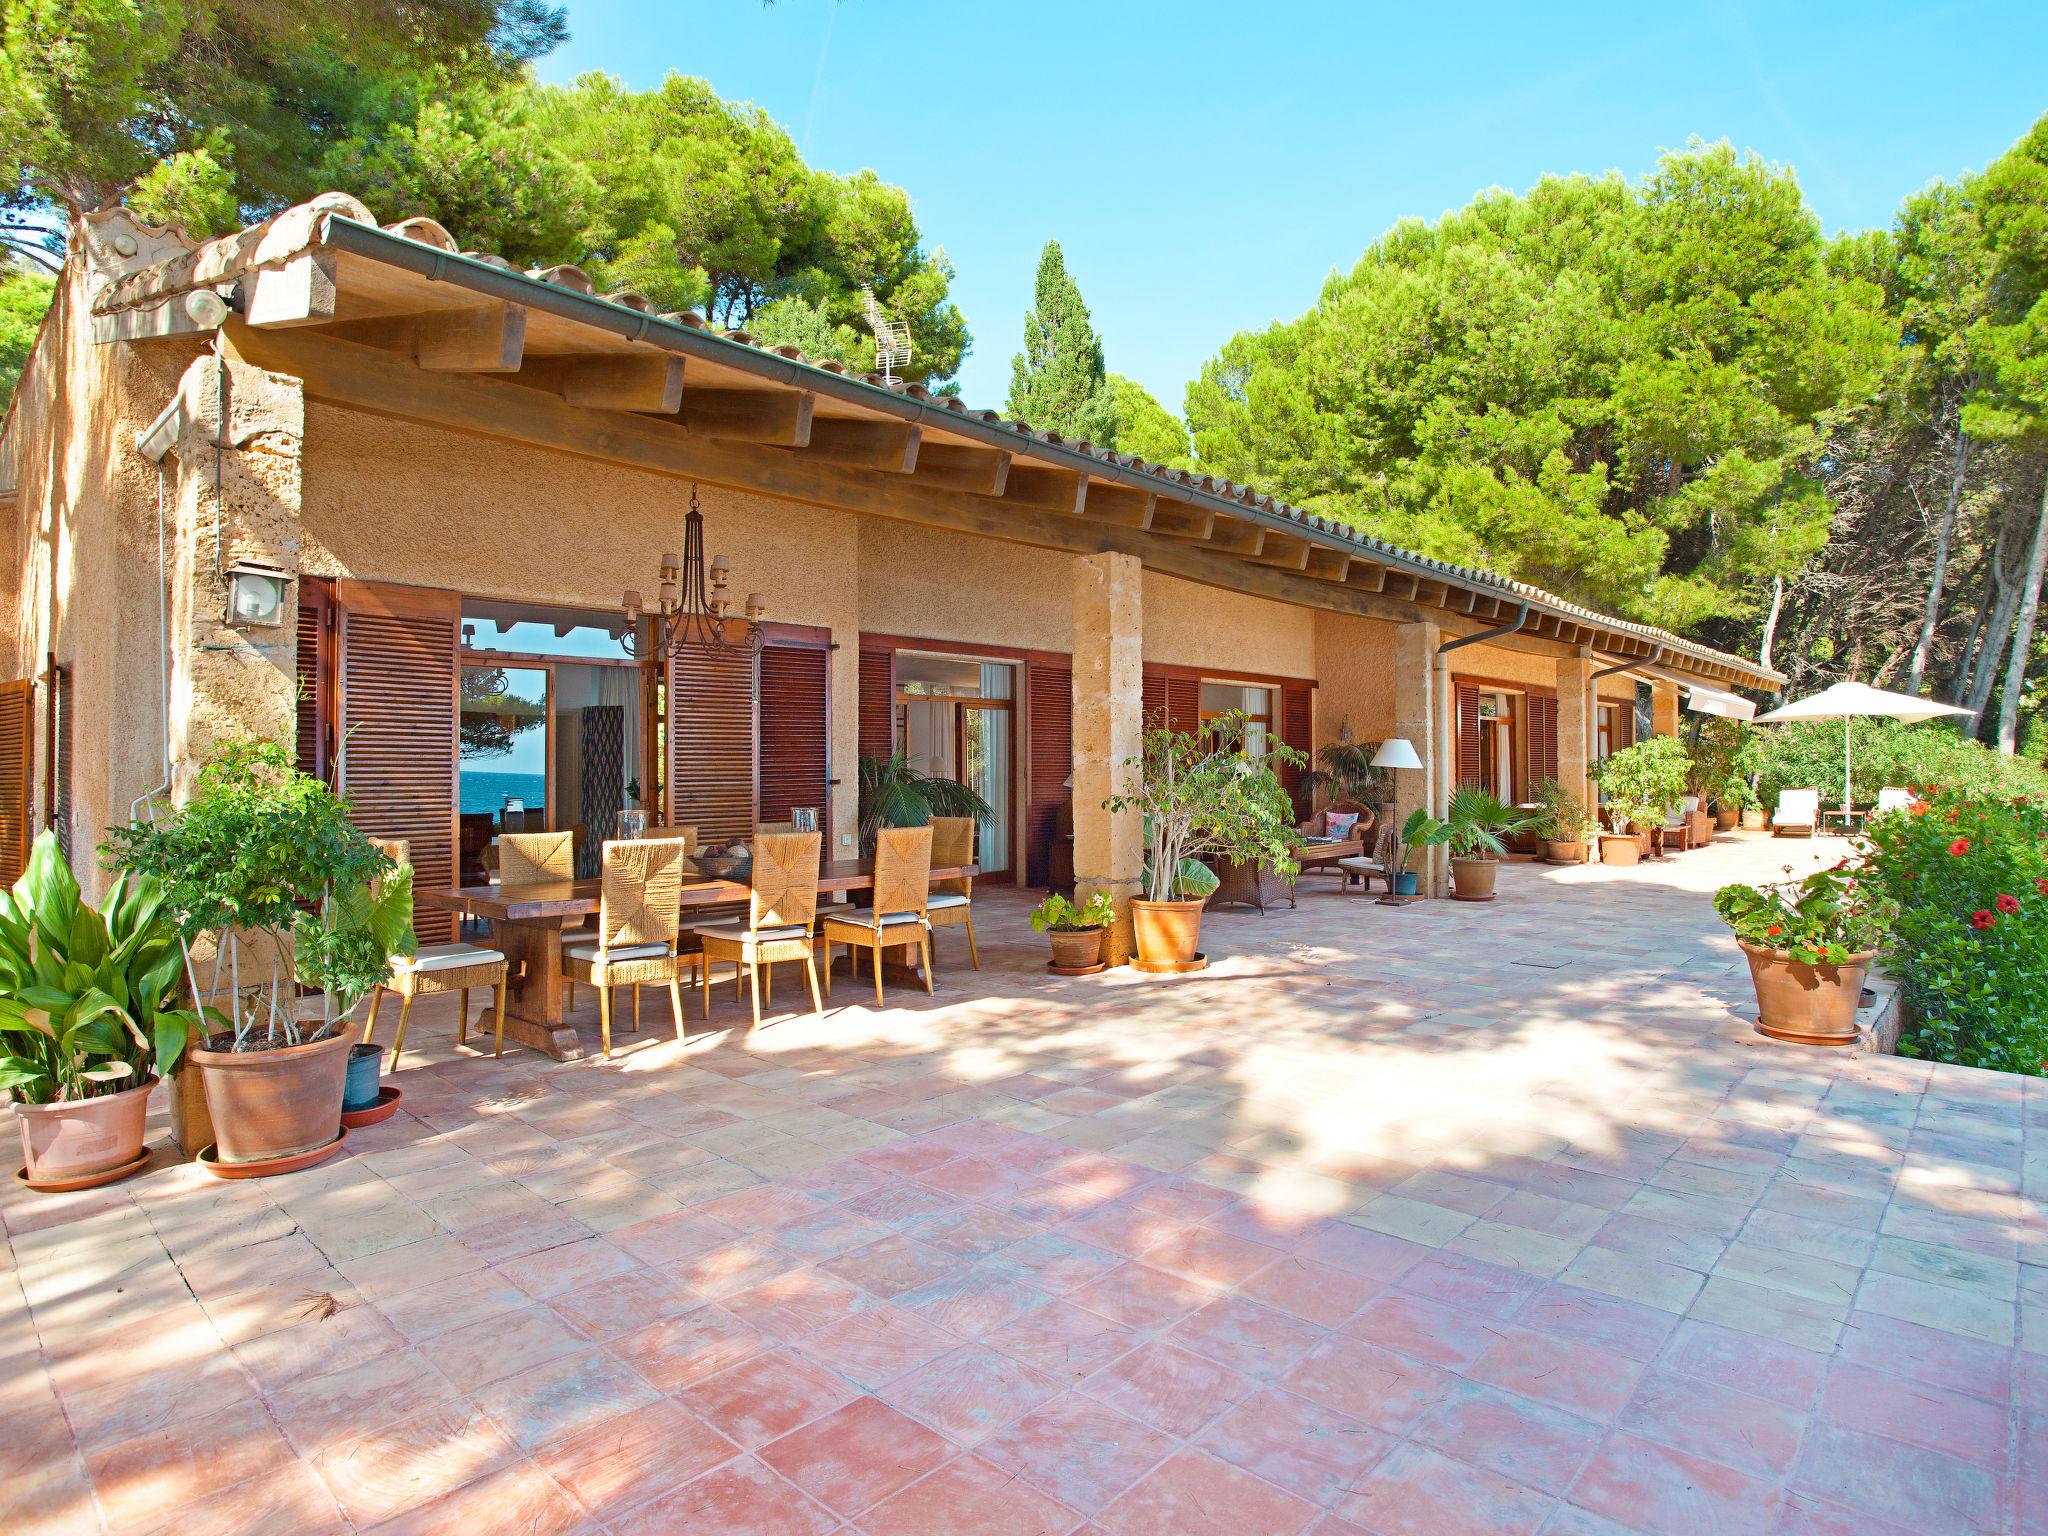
column 1643, row 782
column 1808, row 755
column 1969, row 872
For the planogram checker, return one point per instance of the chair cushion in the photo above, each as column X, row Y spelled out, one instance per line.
column 1362, row 866
column 892, row 920
column 588, row 951
column 946, row 899
column 738, row 930
column 446, row 957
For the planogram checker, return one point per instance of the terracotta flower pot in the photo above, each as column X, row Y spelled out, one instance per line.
column 1753, row 821
column 1724, row 821
column 272, row 1104
column 1167, row 930
column 1564, row 853
column 1075, row 949
column 77, row 1138
column 191, row 1126
column 1472, row 879
column 1808, row 1004
column 1620, row 848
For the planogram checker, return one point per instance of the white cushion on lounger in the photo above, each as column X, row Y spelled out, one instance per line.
column 738, row 930
column 945, row 899
column 446, row 957
column 587, row 950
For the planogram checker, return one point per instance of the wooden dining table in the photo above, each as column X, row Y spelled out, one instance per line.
column 530, row 919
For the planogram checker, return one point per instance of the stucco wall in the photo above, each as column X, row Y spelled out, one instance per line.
column 1231, row 633
column 1354, row 665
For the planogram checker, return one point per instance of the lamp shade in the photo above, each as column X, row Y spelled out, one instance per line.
column 1396, row 752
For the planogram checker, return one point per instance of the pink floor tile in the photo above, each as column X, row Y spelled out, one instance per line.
column 1932, row 1355
column 516, row 1498
column 1297, row 1445
column 563, row 1397
column 1144, row 1298
column 1416, row 1492
column 1425, row 1330
column 743, row 1498
column 681, row 1350
column 552, row 1271
column 138, row 1479
column 1258, row 1341
column 1055, row 1262
column 797, row 1303
column 1575, row 1377
column 1063, row 1340
column 412, row 1462
column 892, row 1266
column 1209, row 1256
column 873, row 1347
column 1167, row 1387
column 971, row 1393
column 1316, row 1293
column 620, row 1303
column 764, row 1398
column 1078, row 1451
column 968, row 1495
column 1194, row 1494
column 1748, row 1433
column 1655, row 1488
column 498, row 1347
column 1474, row 1284
column 1365, row 1382
column 1624, row 1327
column 1748, row 1362
column 1360, row 1251
column 972, row 1299
column 625, row 1462
column 857, row 1455
column 1524, row 1441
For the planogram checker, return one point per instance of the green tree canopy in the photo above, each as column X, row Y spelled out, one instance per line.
column 1147, row 428
column 1058, row 382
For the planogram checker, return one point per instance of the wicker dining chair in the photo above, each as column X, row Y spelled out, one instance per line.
column 777, row 925
column 437, row 968
column 903, row 866
column 527, row 857
column 687, row 836
column 951, row 904
column 639, row 904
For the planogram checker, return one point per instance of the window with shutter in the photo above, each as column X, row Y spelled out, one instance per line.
column 1173, row 701
column 316, row 616
column 711, row 763
column 1468, row 733
column 397, row 680
column 877, row 702
column 1297, row 725
column 17, row 775
column 1542, row 734
column 1051, row 691
column 795, row 732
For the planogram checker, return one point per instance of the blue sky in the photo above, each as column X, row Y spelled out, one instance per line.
column 1206, row 165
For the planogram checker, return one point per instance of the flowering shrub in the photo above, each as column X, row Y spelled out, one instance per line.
column 1825, row 919
column 1969, row 873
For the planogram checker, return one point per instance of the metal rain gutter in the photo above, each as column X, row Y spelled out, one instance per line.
column 1498, row 632
column 1637, row 665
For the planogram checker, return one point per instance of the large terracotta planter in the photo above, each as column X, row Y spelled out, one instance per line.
column 273, row 1104
column 1724, row 821
column 1564, row 853
column 78, row 1138
column 1472, row 879
column 1075, row 949
column 1620, row 848
column 1808, row 1004
column 1753, row 821
column 1167, row 931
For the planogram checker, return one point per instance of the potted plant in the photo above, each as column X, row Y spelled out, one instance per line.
column 893, row 793
column 1201, row 795
column 1344, row 771
column 1418, row 834
column 1563, row 822
column 1640, row 784
column 345, row 951
column 1740, row 800
column 86, row 1017
column 257, row 845
column 1480, row 822
column 1809, row 944
column 1075, row 932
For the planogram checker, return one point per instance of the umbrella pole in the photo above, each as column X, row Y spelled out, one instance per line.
column 1848, row 751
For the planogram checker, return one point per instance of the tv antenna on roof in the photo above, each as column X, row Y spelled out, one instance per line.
column 892, row 337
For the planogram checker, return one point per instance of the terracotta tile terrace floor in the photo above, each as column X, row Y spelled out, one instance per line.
column 1455, row 1218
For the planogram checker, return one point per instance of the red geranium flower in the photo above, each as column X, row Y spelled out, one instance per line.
column 1982, row 920
column 2007, row 904
column 1774, row 930
column 1959, row 847
column 2041, row 886
column 1917, row 808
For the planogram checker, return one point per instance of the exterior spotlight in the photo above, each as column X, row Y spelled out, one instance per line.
column 256, row 593
column 206, row 308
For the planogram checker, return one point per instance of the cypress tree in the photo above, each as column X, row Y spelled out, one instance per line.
column 1058, row 382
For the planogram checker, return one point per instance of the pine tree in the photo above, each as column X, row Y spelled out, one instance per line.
column 1058, row 382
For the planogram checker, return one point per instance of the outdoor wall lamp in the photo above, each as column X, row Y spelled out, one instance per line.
column 256, row 593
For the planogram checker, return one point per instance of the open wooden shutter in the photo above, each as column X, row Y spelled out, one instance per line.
column 17, row 775
column 795, row 732
column 877, row 702
column 398, row 685
column 314, row 668
column 1297, row 725
column 1051, row 695
column 1542, row 723
column 1468, row 733
column 711, row 763
column 1172, row 702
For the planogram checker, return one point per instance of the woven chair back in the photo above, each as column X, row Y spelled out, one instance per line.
column 903, row 869
column 641, row 899
column 766, row 828
column 687, row 836
column 953, row 843
column 785, row 880
column 525, row 858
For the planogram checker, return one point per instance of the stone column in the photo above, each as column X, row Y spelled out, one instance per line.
column 1575, row 725
column 1109, row 705
column 1664, row 708
column 1418, row 715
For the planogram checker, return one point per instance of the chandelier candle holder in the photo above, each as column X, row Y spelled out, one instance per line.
column 694, row 606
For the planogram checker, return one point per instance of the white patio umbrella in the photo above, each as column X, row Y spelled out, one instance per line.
column 1846, row 701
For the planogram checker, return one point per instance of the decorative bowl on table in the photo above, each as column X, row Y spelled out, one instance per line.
column 732, row 863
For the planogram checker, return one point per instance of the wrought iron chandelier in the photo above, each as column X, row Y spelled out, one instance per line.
column 686, row 615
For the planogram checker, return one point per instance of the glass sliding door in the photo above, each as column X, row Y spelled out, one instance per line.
column 954, row 721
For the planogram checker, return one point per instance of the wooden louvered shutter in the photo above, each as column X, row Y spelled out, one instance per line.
column 1155, row 701
column 314, row 670
column 877, row 702
column 1542, row 726
column 17, row 775
column 1468, row 733
column 1051, row 696
column 795, row 732
column 1184, row 704
column 1297, row 725
column 711, row 759
column 398, row 684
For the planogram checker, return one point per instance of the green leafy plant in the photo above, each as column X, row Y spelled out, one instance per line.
column 1643, row 782
column 1737, row 795
column 1479, row 821
column 1561, row 816
column 893, row 793
column 1205, row 795
column 1344, row 770
column 1826, row 918
column 86, row 995
column 347, row 949
column 1056, row 914
column 1419, row 833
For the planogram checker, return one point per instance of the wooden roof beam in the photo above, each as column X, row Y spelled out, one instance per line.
column 626, row 381
column 958, row 467
column 1284, row 551
column 487, row 340
column 1367, row 576
column 300, row 292
column 891, row 447
column 1056, row 490
column 1232, row 537
column 1122, row 505
column 1328, row 564
column 780, row 418
column 1183, row 520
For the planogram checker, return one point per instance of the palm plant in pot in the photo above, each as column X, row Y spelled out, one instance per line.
column 895, row 793
column 257, row 846
column 1343, row 770
column 1480, row 822
column 87, row 1017
column 1075, row 932
column 1201, row 795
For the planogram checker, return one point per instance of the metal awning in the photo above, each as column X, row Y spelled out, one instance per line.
column 1712, row 701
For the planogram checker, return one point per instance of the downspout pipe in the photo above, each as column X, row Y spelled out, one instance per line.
column 1437, row 797
column 1630, row 666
